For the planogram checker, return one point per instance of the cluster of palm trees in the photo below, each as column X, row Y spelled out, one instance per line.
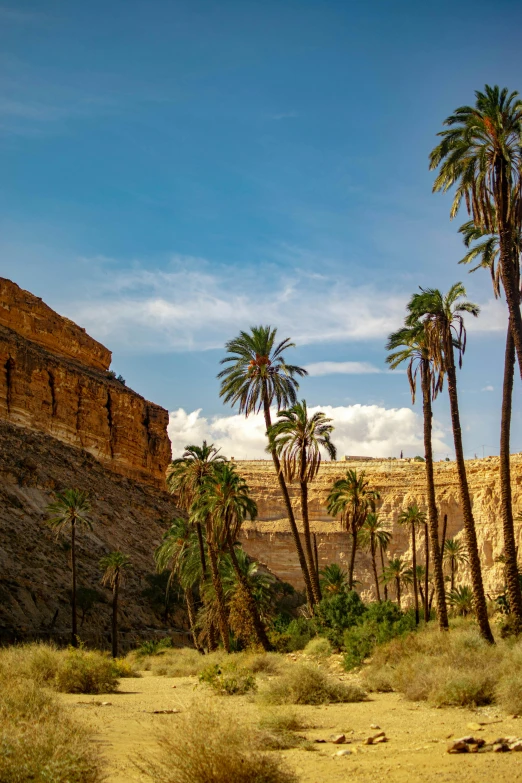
column 71, row 510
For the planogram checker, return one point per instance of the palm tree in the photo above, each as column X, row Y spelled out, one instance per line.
column 352, row 499
column 71, row 508
column 481, row 155
column 461, row 600
column 333, row 579
column 454, row 554
column 297, row 439
column 397, row 571
column 383, row 542
column 486, row 251
column 185, row 476
column 410, row 345
column 255, row 377
column 225, row 503
column 177, row 551
column 372, row 536
column 413, row 517
column 114, row 566
column 445, row 332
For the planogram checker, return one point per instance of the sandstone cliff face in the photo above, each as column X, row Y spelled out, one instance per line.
column 34, row 564
column 42, row 388
column 400, row 484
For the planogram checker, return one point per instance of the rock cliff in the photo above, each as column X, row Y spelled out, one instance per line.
column 400, row 483
column 54, row 379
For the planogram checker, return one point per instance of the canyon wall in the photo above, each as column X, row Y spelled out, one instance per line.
column 400, row 483
column 54, row 379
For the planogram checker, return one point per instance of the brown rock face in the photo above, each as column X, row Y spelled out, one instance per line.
column 27, row 315
column 400, row 483
column 54, row 384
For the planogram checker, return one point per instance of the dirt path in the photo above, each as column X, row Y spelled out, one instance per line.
column 126, row 728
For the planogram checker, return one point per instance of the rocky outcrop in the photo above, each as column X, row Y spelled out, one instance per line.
column 34, row 563
column 400, row 483
column 57, row 383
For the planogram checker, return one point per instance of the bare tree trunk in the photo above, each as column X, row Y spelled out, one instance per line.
column 414, row 563
column 290, row 512
column 218, row 588
column 259, row 628
column 433, row 523
column 74, row 634
column 465, row 500
column 510, row 549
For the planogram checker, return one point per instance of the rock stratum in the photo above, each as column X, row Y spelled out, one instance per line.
column 400, row 483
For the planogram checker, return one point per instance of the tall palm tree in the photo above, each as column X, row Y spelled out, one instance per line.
column 185, row 476
column 480, row 154
column 114, row 566
column 71, row 509
column 297, row 439
column 442, row 318
column 225, row 502
column 410, row 345
column 484, row 248
column 333, row 579
column 177, row 552
column 373, row 536
column 255, row 377
column 352, row 499
column 414, row 518
column 455, row 555
column 397, row 571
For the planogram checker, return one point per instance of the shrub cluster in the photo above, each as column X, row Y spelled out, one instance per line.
column 229, row 679
column 307, row 684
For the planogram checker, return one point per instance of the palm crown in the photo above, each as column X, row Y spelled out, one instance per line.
column 409, row 344
column 186, row 474
column 412, row 516
column 71, row 506
column 298, row 440
column 352, row 499
column 257, row 373
column 374, row 530
column 224, row 502
column 114, row 566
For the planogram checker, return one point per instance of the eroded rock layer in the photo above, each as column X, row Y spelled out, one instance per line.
column 400, row 483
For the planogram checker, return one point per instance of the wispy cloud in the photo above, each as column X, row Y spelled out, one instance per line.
column 342, row 368
column 488, row 388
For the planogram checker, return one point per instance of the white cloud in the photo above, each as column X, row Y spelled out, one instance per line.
column 488, row 388
column 341, row 368
column 360, row 430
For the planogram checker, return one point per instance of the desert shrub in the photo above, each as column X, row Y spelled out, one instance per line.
column 333, row 615
column 318, row 648
column 85, row 671
column 40, row 742
column 125, row 667
column 277, row 731
column 508, row 693
column 230, row 679
column 37, row 661
column 294, row 637
column 306, row 684
column 215, row 748
column 262, row 663
column 380, row 623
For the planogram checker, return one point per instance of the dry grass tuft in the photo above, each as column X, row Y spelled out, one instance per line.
column 318, row 648
column 306, row 684
column 277, row 731
column 206, row 746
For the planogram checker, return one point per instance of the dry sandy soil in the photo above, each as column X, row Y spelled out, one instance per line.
column 127, row 728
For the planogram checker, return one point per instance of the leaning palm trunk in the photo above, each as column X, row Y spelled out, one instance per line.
column 479, row 597
column 414, row 564
column 220, row 597
column 374, row 566
column 510, row 549
column 352, row 556
column 316, row 590
column 433, row 522
column 382, row 572
column 259, row 628
column 290, row 511
column 191, row 611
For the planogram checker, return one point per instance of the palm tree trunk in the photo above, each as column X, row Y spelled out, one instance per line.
column 414, row 563
column 212, row 637
column 316, row 558
column 115, row 616
column 433, row 522
column 316, row 590
column 218, row 588
column 398, row 589
column 508, row 267
column 289, row 511
column 510, row 549
column 374, row 566
column 426, row 574
column 444, row 531
column 465, row 500
column 201, row 550
column 259, row 628
column 191, row 611
column 382, row 572
column 74, row 634
column 352, row 559
column 452, row 578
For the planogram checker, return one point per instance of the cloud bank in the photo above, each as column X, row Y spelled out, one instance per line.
column 360, row 430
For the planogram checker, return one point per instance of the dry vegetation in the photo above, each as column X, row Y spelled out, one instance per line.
column 454, row 669
column 308, row 684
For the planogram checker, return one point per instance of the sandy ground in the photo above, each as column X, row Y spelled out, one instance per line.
column 126, row 729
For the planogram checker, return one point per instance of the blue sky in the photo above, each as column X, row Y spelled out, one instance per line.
column 175, row 171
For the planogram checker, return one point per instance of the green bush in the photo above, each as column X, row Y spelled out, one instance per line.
column 380, row 623
column 318, row 648
column 294, row 637
column 230, row 679
column 153, row 647
column 333, row 615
